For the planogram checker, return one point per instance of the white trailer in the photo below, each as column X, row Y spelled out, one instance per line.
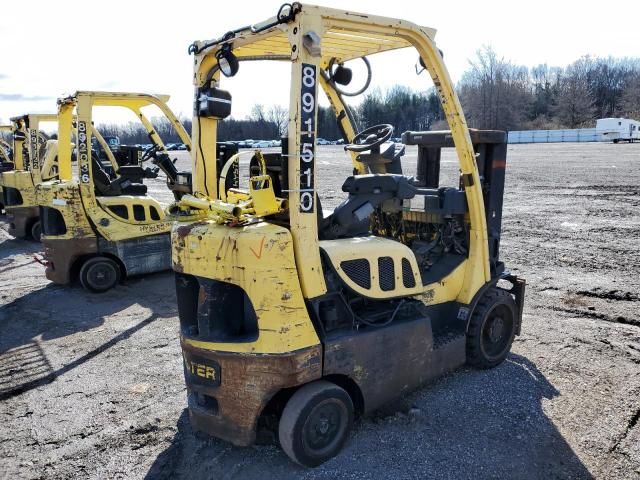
column 618, row 129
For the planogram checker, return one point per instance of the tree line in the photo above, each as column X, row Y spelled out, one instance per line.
column 495, row 94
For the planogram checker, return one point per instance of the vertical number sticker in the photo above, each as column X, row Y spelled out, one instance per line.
column 33, row 140
column 83, row 152
column 307, row 138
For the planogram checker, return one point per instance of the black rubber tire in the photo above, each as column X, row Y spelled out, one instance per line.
column 36, row 231
column 496, row 307
column 99, row 274
column 304, row 411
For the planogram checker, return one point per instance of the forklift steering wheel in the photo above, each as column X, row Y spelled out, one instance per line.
column 150, row 153
column 370, row 138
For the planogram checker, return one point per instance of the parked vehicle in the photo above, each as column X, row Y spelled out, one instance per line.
column 98, row 227
column 617, row 129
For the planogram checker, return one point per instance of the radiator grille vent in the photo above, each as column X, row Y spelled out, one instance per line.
column 408, row 279
column 386, row 274
column 358, row 271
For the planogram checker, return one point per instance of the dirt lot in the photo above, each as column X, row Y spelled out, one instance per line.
column 91, row 385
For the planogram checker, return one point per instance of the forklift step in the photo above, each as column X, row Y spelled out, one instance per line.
column 442, row 340
column 449, row 352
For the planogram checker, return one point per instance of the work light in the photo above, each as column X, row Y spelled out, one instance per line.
column 227, row 61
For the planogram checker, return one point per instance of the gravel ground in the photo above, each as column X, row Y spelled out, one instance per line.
column 91, row 385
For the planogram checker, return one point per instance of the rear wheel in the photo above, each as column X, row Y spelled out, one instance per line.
column 99, row 274
column 492, row 329
column 315, row 423
column 36, row 231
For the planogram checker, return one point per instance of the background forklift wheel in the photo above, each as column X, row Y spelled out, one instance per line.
column 99, row 274
column 315, row 423
column 491, row 329
column 36, row 231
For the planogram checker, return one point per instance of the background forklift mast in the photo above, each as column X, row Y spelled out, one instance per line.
column 6, row 148
column 296, row 321
column 6, row 159
column 100, row 227
column 30, row 151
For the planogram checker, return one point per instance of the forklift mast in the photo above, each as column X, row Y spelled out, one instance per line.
column 490, row 147
column 21, row 176
column 6, row 149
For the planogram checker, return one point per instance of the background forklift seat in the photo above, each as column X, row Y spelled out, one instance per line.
column 122, row 185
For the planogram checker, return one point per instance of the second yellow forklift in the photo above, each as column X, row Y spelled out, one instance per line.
column 99, row 226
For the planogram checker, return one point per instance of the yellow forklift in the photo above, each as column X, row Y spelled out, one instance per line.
column 99, row 224
column 296, row 322
column 6, row 159
column 18, row 178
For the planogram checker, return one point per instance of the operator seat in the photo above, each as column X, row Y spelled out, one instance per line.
column 366, row 193
column 384, row 159
column 385, row 191
column 107, row 187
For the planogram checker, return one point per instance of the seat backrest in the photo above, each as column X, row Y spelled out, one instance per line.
column 49, row 169
column 101, row 178
column 366, row 193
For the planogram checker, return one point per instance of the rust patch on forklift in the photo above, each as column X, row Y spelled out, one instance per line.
column 202, row 296
column 248, row 382
column 62, row 254
column 185, row 230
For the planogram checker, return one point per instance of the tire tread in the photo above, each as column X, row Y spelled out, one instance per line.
column 295, row 408
column 491, row 297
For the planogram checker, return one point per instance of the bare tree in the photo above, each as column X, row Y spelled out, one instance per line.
column 495, row 93
column 630, row 101
column 575, row 102
column 257, row 113
column 279, row 116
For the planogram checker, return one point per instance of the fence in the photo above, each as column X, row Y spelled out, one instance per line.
column 554, row 136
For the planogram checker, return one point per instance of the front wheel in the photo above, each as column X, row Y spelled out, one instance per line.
column 315, row 423
column 99, row 274
column 492, row 329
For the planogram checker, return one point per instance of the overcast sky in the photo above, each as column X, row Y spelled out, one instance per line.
column 48, row 48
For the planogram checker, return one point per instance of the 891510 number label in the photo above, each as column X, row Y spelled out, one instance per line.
column 307, row 138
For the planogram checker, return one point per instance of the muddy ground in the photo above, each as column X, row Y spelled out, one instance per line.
column 91, row 385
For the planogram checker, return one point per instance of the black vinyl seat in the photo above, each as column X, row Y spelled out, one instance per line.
column 366, row 193
column 122, row 185
column 369, row 192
